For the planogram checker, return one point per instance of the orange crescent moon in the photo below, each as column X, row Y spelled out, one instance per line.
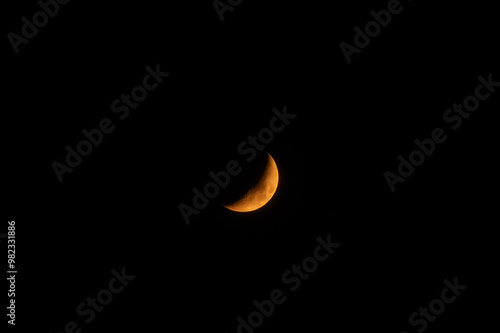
column 261, row 193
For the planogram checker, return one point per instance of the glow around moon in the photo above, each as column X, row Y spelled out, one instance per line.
column 261, row 193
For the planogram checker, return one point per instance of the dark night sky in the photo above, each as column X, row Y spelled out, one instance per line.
column 120, row 206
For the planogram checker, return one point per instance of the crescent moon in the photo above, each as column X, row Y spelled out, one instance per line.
column 261, row 193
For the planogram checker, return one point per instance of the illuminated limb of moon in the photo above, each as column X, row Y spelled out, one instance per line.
column 261, row 193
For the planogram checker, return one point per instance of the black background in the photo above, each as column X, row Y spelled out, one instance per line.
column 119, row 208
